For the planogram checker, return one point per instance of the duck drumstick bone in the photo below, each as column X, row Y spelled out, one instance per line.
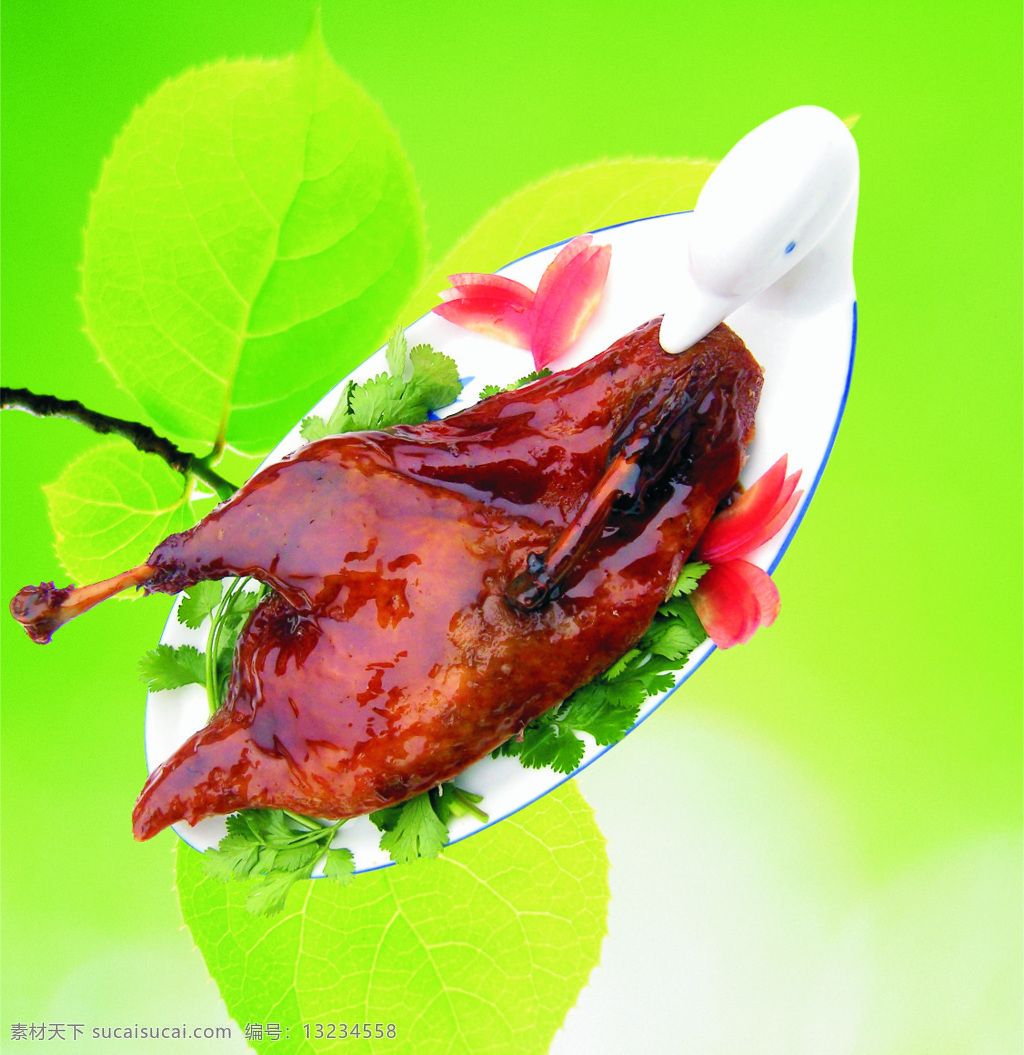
column 45, row 608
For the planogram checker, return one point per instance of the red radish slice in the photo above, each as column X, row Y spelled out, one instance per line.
column 743, row 538
column 473, row 284
column 554, row 272
column 490, row 316
column 546, row 322
column 565, row 256
column 564, row 305
column 746, row 514
column 759, row 583
column 777, row 522
column 738, row 529
column 725, row 605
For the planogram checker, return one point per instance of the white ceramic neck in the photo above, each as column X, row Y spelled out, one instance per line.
column 775, row 220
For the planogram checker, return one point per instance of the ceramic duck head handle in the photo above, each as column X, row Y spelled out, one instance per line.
column 775, row 219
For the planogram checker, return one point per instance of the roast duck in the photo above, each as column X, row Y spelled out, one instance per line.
column 437, row 587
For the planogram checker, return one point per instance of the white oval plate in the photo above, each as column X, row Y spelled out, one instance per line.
column 805, row 344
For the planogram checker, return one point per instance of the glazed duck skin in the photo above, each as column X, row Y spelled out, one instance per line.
column 438, row 587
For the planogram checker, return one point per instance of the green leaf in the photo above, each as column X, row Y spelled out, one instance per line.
column 417, row 831
column 198, row 603
column 298, row 859
column 314, row 427
column 264, row 825
column 681, row 609
column 546, row 744
column 689, row 577
column 386, row 818
column 384, row 399
column 657, row 678
column 436, row 375
column 235, row 857
column 393, row 398
column 170, row 667
column 622, row 664
column 279, row 847
column 606, row 712
column 553, row 745
column 564, row 205
column 268, row 897
column 111, row 506
column 254, row 233
column 481, row 951
column 673, row 640
column 396, row 353
column 339, row 865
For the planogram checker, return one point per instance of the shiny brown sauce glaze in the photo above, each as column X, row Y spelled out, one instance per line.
column 439, row 586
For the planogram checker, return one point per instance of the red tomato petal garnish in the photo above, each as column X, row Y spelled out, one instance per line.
column 567, row 297
column 739, row 528
column 473, row 284
column 726, row 606
column 491, row 316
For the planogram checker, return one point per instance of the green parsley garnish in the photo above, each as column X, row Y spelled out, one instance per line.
column 171, row 667
column 419, row 826
column 418, row 381
column 280, row 848
column 607, row 707
column 493, row 390
column 199, row 602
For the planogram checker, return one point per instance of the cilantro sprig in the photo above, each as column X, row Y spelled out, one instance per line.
column 607, row 707
column 418, row 381
column 493, row 390
column 174, row 666
column 279, row 848
column 419, row 826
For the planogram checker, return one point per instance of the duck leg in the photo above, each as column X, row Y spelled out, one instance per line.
column 45, row 608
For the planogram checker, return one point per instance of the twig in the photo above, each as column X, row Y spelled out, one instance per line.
column 142, row 437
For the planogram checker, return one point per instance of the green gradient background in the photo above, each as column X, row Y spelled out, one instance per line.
column 892, row 682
